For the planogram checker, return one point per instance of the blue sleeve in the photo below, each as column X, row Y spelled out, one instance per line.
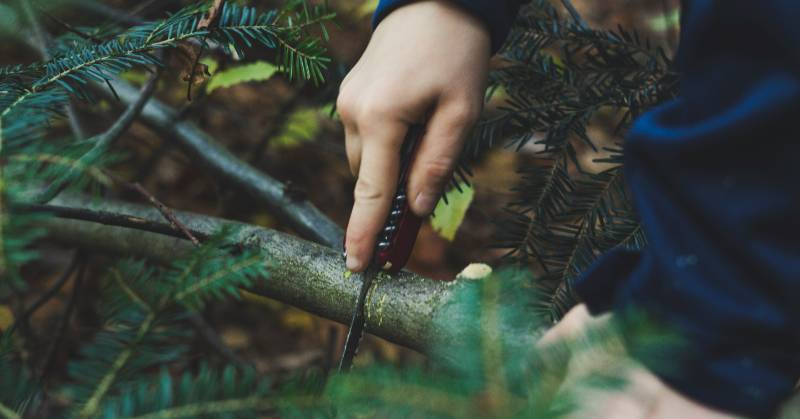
column 715, row 176
column 498, row 15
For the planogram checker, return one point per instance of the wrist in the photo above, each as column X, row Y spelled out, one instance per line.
column 496, row 16
column 462, row 23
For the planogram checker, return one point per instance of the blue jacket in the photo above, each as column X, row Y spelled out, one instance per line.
column 715, row 176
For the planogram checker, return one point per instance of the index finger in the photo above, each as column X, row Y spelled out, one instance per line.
column 375, row 188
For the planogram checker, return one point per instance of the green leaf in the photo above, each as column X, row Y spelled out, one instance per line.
column 257, row 71
column 666, row 21
column 302, row 126
column 448, row 217
column 211, row 63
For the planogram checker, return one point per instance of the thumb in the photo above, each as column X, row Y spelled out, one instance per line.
column 438, row 154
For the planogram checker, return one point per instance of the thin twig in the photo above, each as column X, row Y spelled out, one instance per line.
column 65, row 317
column 212, row 338
column 141, row 7
column 160, row 206
column 205, row 23
column 102, row 142
column 300, row 215
column 573, row 12
column 109, row 12
column 107, row 218
column 42, row 42
column 46, row 296
column 69, row 28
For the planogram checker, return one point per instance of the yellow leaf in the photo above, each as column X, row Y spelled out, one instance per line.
column 448, row 217
column 6, row 317
column 268, row 303
column 367, row 8
column 297, row 319
column 302, row 126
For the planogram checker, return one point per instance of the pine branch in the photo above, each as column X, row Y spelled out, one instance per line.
column 92, row 405
column 300, row 215
column 225, row 393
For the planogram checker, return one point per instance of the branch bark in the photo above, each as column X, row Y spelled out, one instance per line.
column 403, row 309
column 301, row 215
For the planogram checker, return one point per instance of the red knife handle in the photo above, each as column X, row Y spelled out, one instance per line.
column 396, row 240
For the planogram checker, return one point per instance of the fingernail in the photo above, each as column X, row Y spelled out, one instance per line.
column 353, row 264
column 425, row 202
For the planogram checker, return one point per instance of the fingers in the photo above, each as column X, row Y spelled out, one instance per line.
column 375, row 188
column 438, row 153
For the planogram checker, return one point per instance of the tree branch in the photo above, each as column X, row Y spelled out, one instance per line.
column 300, row 215
column 402, row 308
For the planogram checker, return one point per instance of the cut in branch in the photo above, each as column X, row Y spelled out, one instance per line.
column 300, row 215
column 402, row 308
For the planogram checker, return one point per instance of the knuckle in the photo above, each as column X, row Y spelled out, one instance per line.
column 465, row 113
column 372, row 110
column 345, row 105
column 439, row 169
column 367, row 191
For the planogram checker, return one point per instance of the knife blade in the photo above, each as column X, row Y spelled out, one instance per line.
column 393, row 249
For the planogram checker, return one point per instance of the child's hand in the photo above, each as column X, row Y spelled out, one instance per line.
column 427, row 61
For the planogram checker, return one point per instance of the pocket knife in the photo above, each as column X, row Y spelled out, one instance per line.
column 393, row 248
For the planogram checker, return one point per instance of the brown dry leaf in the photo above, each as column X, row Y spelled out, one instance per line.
column 187, row 55
column 213, row 13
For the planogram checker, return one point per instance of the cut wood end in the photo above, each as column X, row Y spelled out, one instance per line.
column 475, row 271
